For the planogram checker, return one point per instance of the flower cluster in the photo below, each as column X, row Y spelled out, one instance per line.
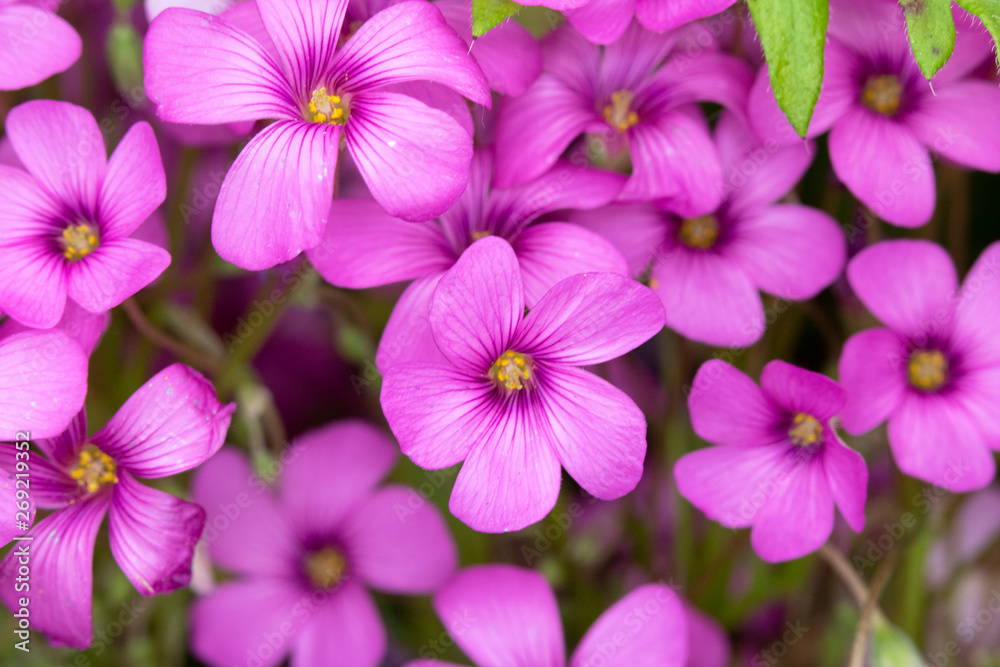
column 267, row 245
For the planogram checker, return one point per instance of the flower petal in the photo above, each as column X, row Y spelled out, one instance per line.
column 659, row 15
column 116, row 270
column 152, row 535
column 602, row 22
column 673, row 156
column 305, row 34
column 533, row 129
column 407, row 335
column 554, row 251
column 187, row 53
column 955, row 123
column 330, row 470
column 501, row 615
column 795, row 389
column 254, row 620
column 847, row 476
column 436, row 421
column 60, row 145
column 245, row 530
column 62, row 449
column 977, row 330
column 59, row 596
column 33, row 283
column 399, row 542
column 872, row 372
column 590, row 318
column 511, row 477
column 275, row 200
column 43, row 381
column 708, row 298
column 405, row 42
column 909, row 285
column 134, row 184
column 637, row 230
column 884, row 165
column 347, row 625
column 789, row 250
column 170, row 424
column 660, row 638
column 364, row 246
column 711, row 76
column 478, row 305
column 935, row 439
column 38, row 45
column 597, row 432
column 415, row 159
column 798, row 519
column 728, row 408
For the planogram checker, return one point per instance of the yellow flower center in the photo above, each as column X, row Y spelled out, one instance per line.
column 94, row 470
column 325, row 108
column 325, row 568
column 805, row 430
column 882, row 94
column 617, row 114
column 78, row 241
column 701, row 232
column 479, row 235
column 927, row 369
column 512, row 370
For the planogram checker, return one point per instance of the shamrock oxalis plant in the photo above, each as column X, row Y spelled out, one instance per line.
column 477, row 332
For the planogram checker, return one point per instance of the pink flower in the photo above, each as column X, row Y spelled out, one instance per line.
column 604, row 21
column 171, row 424
column 309, row 551
column 509, row 397
column 934, row 371
column 365, row 246
column 36, row 43
column 883, row 115
column 275, row 200
column 637, row 92
column 504, row 615
column 65, row 223
column 780, row 466
column 709, row 269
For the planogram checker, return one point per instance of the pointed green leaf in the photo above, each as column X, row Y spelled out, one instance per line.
column 988, row 12
column 793, row 35
column 931, row 29
column 488, row 14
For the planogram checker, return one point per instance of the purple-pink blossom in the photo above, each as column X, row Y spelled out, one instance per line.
column 283, row 62
column 364, row 246
column 780, row 466
column 933, row 371
column 709, row 269
column 504, row 615
column 508, row 396
column 604, row 21
column 309, row 549
column 66, row 222
column 885, row 119
column 637, row 93
column 171, row 424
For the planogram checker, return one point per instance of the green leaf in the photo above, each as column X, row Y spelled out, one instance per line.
column 793, row 35
column 124, row 53
column 932, row 32
column 988, row 12
column 488, row 14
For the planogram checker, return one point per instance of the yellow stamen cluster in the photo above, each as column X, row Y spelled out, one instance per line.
column 479, row 235
column 512, row 370
column 326, row 108
column 927, row 369
column 701, row 232
column 805, row 430
column 883, row 94
column 325, row 568
column 94, row 470
column 617, row 114
column 78, row 241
